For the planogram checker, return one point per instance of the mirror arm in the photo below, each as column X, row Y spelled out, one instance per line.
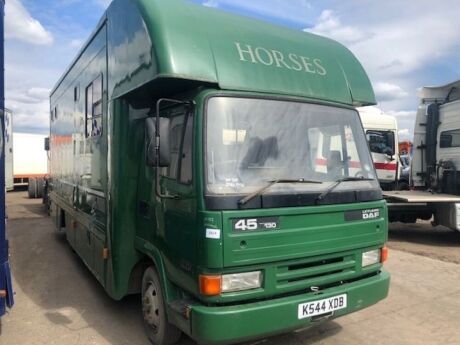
column 189, row 104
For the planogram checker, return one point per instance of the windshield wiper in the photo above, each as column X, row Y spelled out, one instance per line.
column 337, row 183
column 258, row 192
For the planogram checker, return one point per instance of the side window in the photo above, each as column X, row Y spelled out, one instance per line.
column 186, row 166
column 93, row 95
column 89, row 109
column 450, row 139
column 54, row 112
column 176, row 130
column 381, row 142
column 76, row 93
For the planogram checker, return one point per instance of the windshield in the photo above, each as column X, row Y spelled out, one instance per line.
column 381, row 141
column 250, row 142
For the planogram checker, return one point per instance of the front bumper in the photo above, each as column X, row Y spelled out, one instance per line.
column 237, row 323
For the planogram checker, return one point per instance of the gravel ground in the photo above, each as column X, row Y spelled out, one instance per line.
column 59, row 302
column 438, row 242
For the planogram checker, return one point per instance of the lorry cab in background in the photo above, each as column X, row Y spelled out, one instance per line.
column 434, row 168
column 382, row 136
column 436, row 157
column 436, row 151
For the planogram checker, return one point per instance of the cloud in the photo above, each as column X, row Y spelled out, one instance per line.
column 30, row 109
column 76, row 43
column 406, row 122
column 394, row 46
column 19, row 24
column 404, row 132
column 388, row 92
column 401, row 48
column 211, row 3
column 30, row 69
column 402, row 113
column 293, row 13
column 30, row 117
column 34, row 95
column 405, row 40
column 330, row 25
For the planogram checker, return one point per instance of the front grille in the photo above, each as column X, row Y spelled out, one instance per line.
column 315, row 271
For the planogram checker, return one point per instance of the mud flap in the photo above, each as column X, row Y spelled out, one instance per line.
column 9, row 285
column 6, row 284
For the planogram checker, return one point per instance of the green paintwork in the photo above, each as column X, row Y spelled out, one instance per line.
column 103, row 184
column 208, row 52
column 147, row 41
column 233, row 324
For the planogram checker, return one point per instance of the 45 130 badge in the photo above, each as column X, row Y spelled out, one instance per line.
column 254, row 224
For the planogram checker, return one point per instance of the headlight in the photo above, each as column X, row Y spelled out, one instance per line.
column 241, row 281
column 371, row 257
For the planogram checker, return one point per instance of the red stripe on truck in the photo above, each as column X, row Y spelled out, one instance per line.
column 351, row 164
column 357, row 165
column 385, row 166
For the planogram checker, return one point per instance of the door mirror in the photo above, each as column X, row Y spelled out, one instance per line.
column 157, row 150
column 391, row 143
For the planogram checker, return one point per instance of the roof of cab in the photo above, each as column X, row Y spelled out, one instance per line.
column 192, row 42
column 238, row 53
column 441, row 94
column 375, row 118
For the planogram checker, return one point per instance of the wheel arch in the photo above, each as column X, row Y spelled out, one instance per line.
column 152, row 258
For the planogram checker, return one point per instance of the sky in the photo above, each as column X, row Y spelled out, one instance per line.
column 403, row 45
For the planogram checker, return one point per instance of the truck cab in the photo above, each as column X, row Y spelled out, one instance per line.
column 217, row 165
column 435, row 164
column 382, row 136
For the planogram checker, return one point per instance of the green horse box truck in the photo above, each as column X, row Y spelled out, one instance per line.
column 217, row 165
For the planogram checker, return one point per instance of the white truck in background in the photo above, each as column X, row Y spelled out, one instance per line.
column 435, row 166
column 30, row 162
column 382, row 135
column 9, row 173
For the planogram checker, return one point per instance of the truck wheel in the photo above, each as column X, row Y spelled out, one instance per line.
column 40, row 187
column 403, row 185
column 157, row 327
column 32, row 188
column 35, row 188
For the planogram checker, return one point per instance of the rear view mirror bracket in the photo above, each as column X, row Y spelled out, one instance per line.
column 161, row 154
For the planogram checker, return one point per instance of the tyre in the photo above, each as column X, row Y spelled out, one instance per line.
column 40, row 187
column 158, row 329
column 403, row 185
column 32, row 188
column 35, row 188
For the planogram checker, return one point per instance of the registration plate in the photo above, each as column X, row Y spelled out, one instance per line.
column 323, row 306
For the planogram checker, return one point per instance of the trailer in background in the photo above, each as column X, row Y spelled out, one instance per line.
column 435, row 165
column 30, row 162
column 382, row 136
column 9, row 174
